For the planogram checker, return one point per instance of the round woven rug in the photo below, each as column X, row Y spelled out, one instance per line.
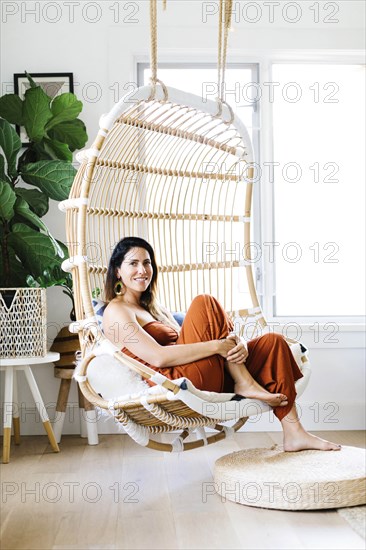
column 304, row 480
column 356, row 517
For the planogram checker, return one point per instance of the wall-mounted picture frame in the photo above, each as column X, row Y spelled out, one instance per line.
column 52, row 83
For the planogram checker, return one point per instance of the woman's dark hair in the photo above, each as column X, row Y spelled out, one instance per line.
column 148, row 298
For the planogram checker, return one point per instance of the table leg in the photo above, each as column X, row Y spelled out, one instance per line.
column 88, row 419
column 83, row 429
column 63, row 396
column 8, row 408
column 41, row 408
column 16, row 419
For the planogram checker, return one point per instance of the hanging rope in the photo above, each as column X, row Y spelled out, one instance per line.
column 154, row 49
column 154, row 41
column 225, row 14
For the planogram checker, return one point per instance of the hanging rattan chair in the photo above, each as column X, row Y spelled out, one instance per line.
column 168, row 167
column 169, row 170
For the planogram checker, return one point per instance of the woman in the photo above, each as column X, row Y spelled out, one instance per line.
column 203, row 350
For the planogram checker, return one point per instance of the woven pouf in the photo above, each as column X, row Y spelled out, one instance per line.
column 304, row 480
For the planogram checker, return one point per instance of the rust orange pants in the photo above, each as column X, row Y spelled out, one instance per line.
column 270, row 360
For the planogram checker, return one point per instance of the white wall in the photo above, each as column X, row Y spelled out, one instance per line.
column 100, row 43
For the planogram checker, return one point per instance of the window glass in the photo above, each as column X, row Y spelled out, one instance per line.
column 319, row 189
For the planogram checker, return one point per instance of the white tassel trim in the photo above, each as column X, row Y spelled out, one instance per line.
column 244, row 263
column 178, row 445
column 201, row 434
column 69, row 264
column 77, row 326
column 80, row 378
column 105, row 348
column 158, row 378
column 229, row 431
column 72, row 203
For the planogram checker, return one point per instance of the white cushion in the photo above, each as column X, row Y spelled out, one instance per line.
column 108, row 377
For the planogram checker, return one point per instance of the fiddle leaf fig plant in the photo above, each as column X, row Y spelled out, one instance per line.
column 29, row 178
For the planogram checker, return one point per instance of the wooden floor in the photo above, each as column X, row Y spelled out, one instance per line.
column 119, row 495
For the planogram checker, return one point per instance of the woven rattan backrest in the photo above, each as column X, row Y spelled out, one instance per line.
column 171, row 172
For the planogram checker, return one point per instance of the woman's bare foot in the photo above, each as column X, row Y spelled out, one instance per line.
column 296, row 438
column 245, row 385
column 254, row 391
column 303, row 440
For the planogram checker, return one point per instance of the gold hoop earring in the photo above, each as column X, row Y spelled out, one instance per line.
column 118, row 288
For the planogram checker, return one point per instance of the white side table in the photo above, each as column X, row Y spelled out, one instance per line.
column 11, row 366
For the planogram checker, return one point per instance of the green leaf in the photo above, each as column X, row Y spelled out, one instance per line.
column 36, row 113
column 34, row 249
column 17, row 273
column 66, row 276
column 19, row 219
column 30, row 80
column 11, row 108
column 53, row 177
column 7, row 200
column 72, row 132
column 21, row 207
column 96, row 293
column 49, row 277
column 3, row 176
column 64, row 107
column 11, row 145
column 39, row 153
column 37, row 200
column 33, row 283
column 49, row 149
column 57, row 150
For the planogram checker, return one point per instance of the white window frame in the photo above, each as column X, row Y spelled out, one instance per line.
column 263, row 206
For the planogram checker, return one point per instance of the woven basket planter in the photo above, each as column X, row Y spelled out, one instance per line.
column 23, row 330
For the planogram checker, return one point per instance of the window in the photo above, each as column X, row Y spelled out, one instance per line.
column 318, row 179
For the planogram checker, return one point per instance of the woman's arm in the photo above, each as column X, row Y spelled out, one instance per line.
column 122, row 328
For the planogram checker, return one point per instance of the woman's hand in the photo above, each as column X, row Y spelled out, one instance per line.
column 233, row 349
column 225, row 346
column 239, row 352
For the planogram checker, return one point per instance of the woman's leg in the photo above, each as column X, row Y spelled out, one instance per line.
column 296, row 438
column 245, row 385
column 205, row 320
column 272, row 365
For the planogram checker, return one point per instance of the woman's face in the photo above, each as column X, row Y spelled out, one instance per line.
column 136, row 270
